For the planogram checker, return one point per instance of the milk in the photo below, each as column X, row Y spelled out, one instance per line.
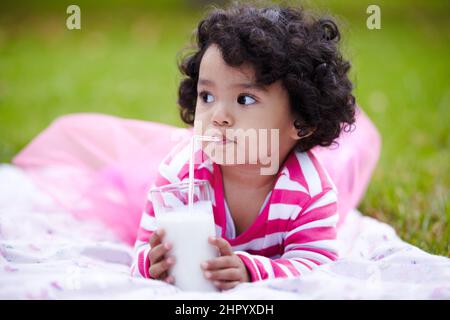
column 188, row 233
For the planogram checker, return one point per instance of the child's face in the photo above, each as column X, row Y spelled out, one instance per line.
column 228, row 100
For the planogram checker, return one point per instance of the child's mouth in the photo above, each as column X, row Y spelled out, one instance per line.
column 223, row 140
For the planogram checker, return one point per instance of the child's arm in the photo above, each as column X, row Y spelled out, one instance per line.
column 145, row 237
column 151, row 259
column 310, row 241
column 147, row 227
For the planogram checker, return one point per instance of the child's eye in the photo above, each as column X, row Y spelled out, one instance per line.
column 206, row 97
column 246, row 99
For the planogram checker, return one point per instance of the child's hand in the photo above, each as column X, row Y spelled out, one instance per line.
column 159, row 263
column 226, row 271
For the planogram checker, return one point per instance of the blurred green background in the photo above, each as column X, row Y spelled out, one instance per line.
column 123, row 62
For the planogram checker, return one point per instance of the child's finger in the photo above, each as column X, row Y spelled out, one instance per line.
column 156, row 237
column 158, row 269
column 219, row 263
column 169, row 279
column 222, row 244
column 230, row 274
column 157, row 253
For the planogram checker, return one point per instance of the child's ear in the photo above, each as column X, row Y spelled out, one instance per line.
column 299, row 131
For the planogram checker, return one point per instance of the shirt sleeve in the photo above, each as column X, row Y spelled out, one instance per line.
column 141, row 261
column 310, row 241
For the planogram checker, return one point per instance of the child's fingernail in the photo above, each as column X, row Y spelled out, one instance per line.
column 205, row 265
column 170, row 260
column 167, row 246
column 208, row 274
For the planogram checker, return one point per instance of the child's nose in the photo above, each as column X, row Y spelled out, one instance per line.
column 222, row 116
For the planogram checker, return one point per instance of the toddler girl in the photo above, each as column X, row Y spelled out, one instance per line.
column 279, row 70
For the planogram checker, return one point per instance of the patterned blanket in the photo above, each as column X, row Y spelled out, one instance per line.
column 46, row 253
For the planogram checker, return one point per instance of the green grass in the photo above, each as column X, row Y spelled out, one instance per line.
column 123, row 62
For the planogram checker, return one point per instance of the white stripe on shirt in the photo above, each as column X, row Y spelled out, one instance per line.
column 287, row 184
column 327, row 222
column 296, row 254
column 148, row 222
column 310, row 173
column 283, row 211
column 327, row 245
column 327, row 198
column 262, row 243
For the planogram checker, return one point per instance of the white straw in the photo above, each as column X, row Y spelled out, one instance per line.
column 207, row 138
column 194, row 140
column 191, row 176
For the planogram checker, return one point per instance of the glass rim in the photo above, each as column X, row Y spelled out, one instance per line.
column 177, row 186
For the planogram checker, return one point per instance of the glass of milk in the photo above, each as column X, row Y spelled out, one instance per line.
column 187, row 230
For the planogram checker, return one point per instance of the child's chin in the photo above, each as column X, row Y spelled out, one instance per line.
column 218, row 159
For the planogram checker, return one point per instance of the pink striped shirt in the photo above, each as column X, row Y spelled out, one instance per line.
column 294, row 232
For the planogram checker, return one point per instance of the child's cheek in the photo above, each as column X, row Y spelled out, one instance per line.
column 199, row 125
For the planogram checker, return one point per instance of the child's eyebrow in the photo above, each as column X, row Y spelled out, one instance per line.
column 205, row 82
column 250, row 85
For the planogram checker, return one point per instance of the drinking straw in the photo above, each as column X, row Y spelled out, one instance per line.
column 194, row 140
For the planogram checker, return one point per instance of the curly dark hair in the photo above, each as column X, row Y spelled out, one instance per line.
column 281, row 43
